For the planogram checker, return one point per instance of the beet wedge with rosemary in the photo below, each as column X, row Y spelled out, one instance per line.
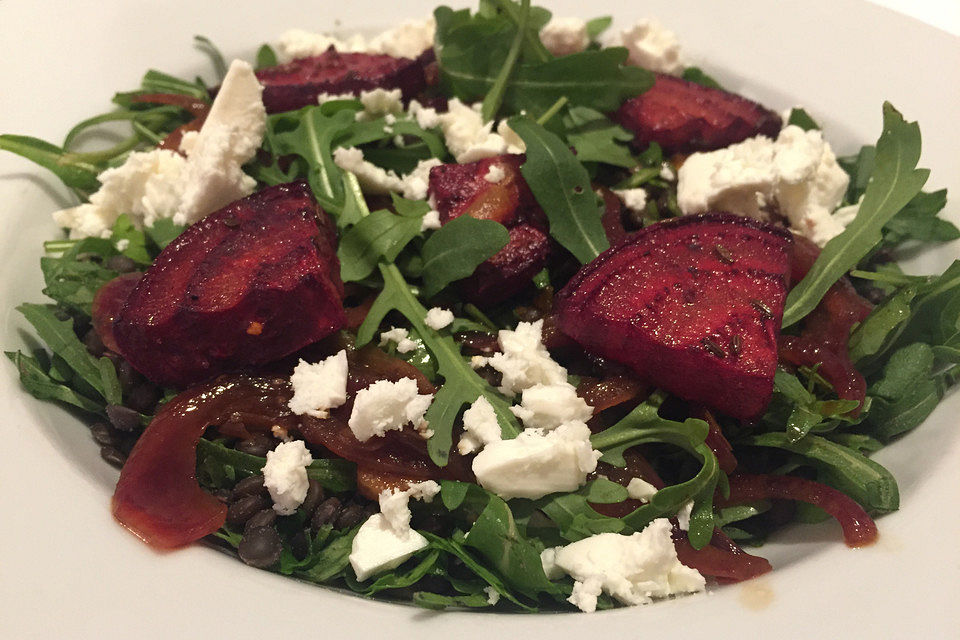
column 494, row 189
column 693, row 305
column 298, row 83
column 247, row 285
column 683, row 117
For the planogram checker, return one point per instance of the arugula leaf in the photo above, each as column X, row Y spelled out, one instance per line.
column 562, row 188
column 794, row 406
column 802, row 119
column 936, row 314
column 205, row 45
column 461, row 384
column 596, row 26
column 907, row 393
column 918, row 221
column 41, row 385
column 894, row 182
column 456, row 249
column 438, row 601
column 73, row 172
column 845, row 469
column 332, row 560
column 596, row 138
column 494, row 98
column 699, row 76
column 163, row 232
column 400, row 579
column 133, row 238
column 382, row 234
column 73, row 282
column 874, row 335
column 266, row 57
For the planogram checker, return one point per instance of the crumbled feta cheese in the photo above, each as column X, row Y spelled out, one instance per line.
column 634, row 199
column 480, row 427
column 523, row 360
column 285, row 476
column 300, row 43
column 408, row 39
column 537, row 463
column 468, row 137
column 414, row 185
column 387, row 405
column 546, row 407
column 493, row 596
column 798, row 171
column 667, row 173
column 640, row 489
column 320, row 386
column 161, row 183
column 378, row 103
column 515, row 143
column 372, row 178
column 330, row 97
column 431, row 220
column 494, row 174
column 229, row 137
column 683, row 516
column 563, row 36
column 651, row 46
column 377, row 547
column 122, row 244
column 426, row 117
column 394, row 504
column 438, row 318
column 633, row 569
column 399, row 336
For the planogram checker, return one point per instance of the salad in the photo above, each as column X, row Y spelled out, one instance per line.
column 492, row 310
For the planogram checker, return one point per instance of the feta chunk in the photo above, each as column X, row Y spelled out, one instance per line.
column 372, row 178
column 683, row 516
column 537, row 463
column 414, row 185
column 408, row 39
column 640, row 489
column 426, row 117
column 493, row 596
column 394, row 504
column 563, row 36
column 547, row 406
column 634, row 569
column 798, row 171
column 523, row 360
column 468, row 137
column 285, row 476
column 400, row 337
column 480, row 427
column 378, row 103
column 377, row 547
column 431, row 220
column 300, row 43
column 438, row 318
column 494, row 174
column 320, row 386
column 651, row 46
column 633, row 199
column 387, row 405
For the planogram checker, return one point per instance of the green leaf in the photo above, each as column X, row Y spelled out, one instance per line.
column 401, row 579
column 382, row 234
column 562, row 188
column 598, row 139
column 73, row 172
column 163, row 232
column 455, row 250
column 845, row 469
column 906, row 393
column 41, row 386
column 881, row 327
column 265, row 57
column 494, row 97
column 918, row 221
column 698, row 76
column 438, row 601
column 204, row 44
column 332, row 560
column 893, row 183
column 134, row 239
column 596, row 26
column 72, row 281
column 802, row 119
column 461, row 384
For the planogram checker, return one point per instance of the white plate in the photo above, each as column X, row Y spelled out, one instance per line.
column 66, row 570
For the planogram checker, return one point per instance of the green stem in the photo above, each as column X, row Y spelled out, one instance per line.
column 100, row 157
column 534, row 46
column 494, row 97
column 552, row 111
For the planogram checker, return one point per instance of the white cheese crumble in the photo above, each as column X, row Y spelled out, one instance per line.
column 547, row 406
column 563, row 36
column 640, row 489
column 387, row 405
column 331, row 97
column 523, row 360
column 683, row 516
column 468, row 137
column 161, row 183
column 634, row 569
column 537, row 462
column 667, row 172
column 493, row 596
column 407, row 40
column 431, row 220
column 320, row 386
column 426, row 117
column 401, row 337
column 480, row 427
column 651, row 46
column 385, row 540
column 414, row 185
column 438, row 318
column 285, row 476
column 494, row 174
column 378, row 103
column 372, row 178
column 633, row 199
column 798, row 171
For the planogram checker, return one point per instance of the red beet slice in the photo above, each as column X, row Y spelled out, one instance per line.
column 683, row 116
column 108, row 302
column 298, row 83
column 693, row 305
column 463, row 189
column 157, row 497
column 247, row 285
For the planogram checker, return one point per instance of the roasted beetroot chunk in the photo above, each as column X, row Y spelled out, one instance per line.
column 494, row 189
column 683, row 117
column 247, row 285
column 692, row 305
column 298, row 83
